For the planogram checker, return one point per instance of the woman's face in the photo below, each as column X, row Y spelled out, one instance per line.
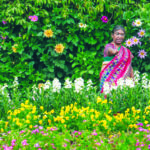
column 118, row 36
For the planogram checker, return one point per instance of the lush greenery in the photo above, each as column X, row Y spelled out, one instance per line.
column 26, row 52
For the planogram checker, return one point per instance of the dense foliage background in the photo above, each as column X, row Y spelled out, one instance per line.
column 35, row 60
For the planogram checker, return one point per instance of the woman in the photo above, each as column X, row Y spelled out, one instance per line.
column 117, row 59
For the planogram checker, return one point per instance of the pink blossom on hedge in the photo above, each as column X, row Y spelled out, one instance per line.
column 34, row 18
column 30, row 17
column 141, row 33
column 104, row 19
column 4, row 22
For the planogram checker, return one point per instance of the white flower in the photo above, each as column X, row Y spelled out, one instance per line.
column 121, row 82
column 79, row 84
column 107, row 88
column 81, row 25
column 89, row 84
column 84, row 26
column 56, row 85
column 47, row 85
column 138, row 22
column 136, row 76
column 68, row 84
column 15, row 82
column 129, row 82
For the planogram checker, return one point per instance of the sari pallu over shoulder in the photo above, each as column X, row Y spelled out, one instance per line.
column 117, row 68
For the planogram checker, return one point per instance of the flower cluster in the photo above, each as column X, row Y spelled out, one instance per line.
column 79, row 85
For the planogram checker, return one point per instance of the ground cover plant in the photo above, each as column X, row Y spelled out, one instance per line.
column 75, row 116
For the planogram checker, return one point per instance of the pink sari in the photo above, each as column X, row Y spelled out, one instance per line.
column 118, row 67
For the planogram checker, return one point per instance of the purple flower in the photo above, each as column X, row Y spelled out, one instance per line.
column 24, row 142
column 142, row 54
column 3, row 37
column 34, row 18
column 140, row 129
column 138, row 149
column 148, row 146
column 104, row 19
column 94, row 133
column 141, row 33
column 133, row 24
column 36, row 145
column 140, row 124
column 40, row 127
column 135, row 40
column 129, row 43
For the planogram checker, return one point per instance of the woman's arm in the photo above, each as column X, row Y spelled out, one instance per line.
column 132, row 74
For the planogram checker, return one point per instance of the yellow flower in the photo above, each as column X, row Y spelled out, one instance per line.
column 27, row 121
column 14, row 48
column 27, row 102
column 44, row 117
column 99, row 99
column 146, row 122
column 105, row 101
column 35, row 117
column 40, row 121
column 9, row 117
column 59, row 48
column 41, row 107
column 73, row 117
column 143, row 116
column 49, row 121
column 62, row 120
column 2, row 130
column 52, row 111
column 67, row 118
column 48, row 33
column 30, row 126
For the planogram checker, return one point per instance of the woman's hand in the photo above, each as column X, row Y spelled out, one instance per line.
column 112, row 52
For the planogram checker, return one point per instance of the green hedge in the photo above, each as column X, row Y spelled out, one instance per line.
column 34, row 58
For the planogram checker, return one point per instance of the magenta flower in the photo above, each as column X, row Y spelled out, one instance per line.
column 22, row 131
column 65, row 145
column 99, row 144
column 104, row 19
column 142, row 54
column 94, row 133
column 138, row 149
column 4, row 22
column 24, row 142
column 140, row 124
column 148, row 146
column 34, row 18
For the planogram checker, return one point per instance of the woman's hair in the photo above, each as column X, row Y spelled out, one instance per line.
column 118, row 27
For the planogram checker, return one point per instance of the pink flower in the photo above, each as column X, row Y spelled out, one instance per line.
column 4, row 22
column 65, row 145
column 104, row 19
column 99, row 144
column 36, row 145
column 30, row 17
column 34, row 18
column 24, row 142
column 142, row 54
column 140, row 124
